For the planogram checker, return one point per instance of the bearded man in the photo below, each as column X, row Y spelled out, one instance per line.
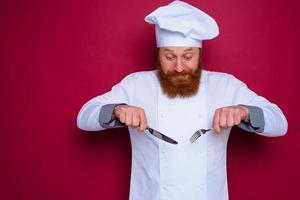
column 183, row 102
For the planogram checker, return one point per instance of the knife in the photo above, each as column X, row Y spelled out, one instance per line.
column 161, row 136
column 152, row 131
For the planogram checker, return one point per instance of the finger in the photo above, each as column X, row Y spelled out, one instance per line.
column 230, row 118
column 143, row 121
column 135, row 119
column 223, row 118
column 237, row 118
column 128, row 118
column 216, row 122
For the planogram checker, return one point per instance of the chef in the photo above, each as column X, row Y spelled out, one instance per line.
column 178, row 99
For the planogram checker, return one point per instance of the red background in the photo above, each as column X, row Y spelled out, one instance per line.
column 56, row 55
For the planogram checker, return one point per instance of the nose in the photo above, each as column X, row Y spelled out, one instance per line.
column 179, row 67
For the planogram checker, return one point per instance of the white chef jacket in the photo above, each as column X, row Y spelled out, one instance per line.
column 191, row 171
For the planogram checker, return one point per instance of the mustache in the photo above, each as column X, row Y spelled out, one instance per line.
column 174, row 74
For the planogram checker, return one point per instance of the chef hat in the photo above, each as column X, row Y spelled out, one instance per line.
column 181, row 24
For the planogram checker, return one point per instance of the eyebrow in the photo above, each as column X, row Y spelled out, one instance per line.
column 189, row 49
column 168, row 50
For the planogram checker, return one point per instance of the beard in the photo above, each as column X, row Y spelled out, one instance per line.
column 179, row 84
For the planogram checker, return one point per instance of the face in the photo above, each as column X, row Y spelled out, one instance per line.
column 179, row 70
column 179, row 59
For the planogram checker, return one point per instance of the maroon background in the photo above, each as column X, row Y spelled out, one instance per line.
column 56, row 55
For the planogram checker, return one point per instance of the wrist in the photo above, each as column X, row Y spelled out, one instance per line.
column 246, row 110
column 115, row 110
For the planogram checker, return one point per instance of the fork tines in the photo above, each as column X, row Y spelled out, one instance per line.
column 198, row 134
column 195, row 136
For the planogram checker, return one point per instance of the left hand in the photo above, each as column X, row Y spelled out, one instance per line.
column 229, row 116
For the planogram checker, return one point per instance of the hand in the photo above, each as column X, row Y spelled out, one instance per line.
column 131, row 116
column 227, row 117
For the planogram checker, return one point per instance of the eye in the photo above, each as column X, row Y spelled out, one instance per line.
column 170, row 57
column 187, row 57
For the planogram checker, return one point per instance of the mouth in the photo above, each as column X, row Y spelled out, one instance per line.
column 181, row 77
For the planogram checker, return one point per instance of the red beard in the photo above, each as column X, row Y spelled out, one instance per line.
column 179, row 84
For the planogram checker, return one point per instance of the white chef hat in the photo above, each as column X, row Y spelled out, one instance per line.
column 181, row 24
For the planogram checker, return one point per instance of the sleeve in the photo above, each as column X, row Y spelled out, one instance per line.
column 256, row 122
column 274, row 122
column 88, row 116
column 107, row 118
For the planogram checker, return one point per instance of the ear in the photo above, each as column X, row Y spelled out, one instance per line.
column 157, row 56
column 200, row 51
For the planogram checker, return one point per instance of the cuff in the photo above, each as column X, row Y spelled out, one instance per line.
column 107, row 118
column 256, row 121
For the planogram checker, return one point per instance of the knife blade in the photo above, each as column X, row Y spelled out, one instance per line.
column 161, row 136
column 150, row 130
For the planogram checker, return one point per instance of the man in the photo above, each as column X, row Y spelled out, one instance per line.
column 178, row 99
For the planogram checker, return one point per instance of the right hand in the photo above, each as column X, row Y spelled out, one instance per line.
column 131, row 116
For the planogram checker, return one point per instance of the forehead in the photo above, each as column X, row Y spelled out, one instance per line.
column 178, row 49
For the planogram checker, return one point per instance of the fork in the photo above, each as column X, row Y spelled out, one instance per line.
column 198, row 133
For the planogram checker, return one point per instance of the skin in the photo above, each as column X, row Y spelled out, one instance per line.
column 179, row 59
